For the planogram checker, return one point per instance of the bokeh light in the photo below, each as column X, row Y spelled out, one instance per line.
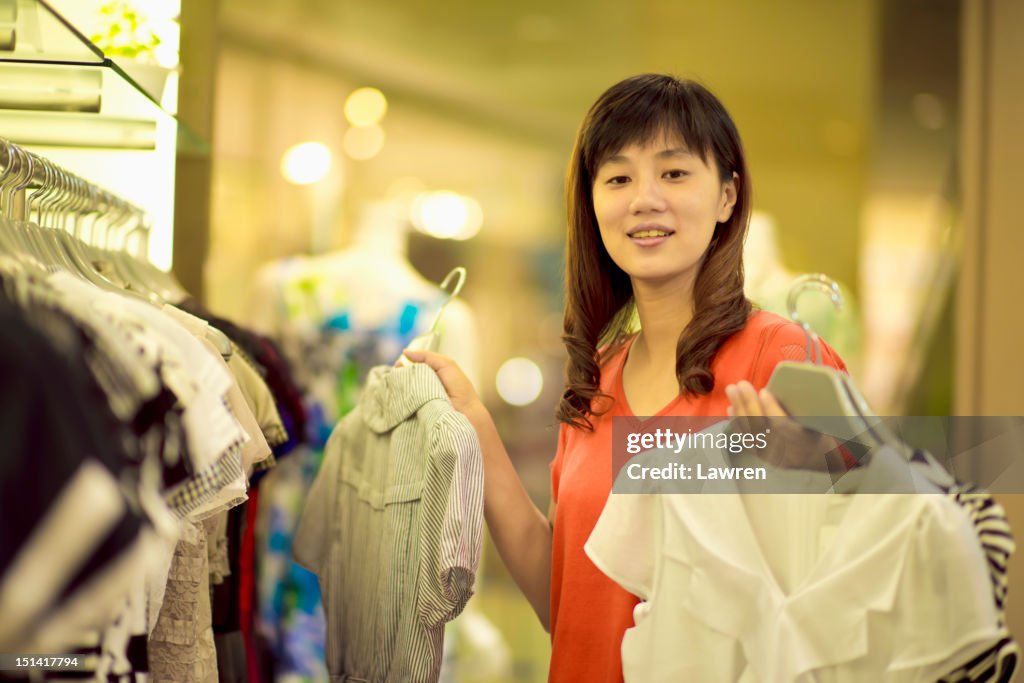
column 363, row 142
column 519, row 381
column 447, row 215
column 365, row 107
column 306, row 163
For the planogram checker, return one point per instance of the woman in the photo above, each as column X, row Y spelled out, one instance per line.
column 658, row 198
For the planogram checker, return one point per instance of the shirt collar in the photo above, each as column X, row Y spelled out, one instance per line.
column 393, row 395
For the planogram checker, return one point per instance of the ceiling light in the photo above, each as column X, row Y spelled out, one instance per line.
column 365, row 107
column 447, row 215
column 306, row 163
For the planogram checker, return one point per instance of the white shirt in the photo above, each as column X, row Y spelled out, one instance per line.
column 898, row 591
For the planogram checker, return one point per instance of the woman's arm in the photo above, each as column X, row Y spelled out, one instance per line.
column 519, row 529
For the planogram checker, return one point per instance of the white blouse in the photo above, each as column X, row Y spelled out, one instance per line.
column 866, row 587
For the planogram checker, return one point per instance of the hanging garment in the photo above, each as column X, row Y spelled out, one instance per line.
column 107, row 625
column 331, row 353
column 273, row 369
column 998, row 663
column 194, row 375
column 69, row 538
column 223, row 436
column 125, row 418
column 254, row 390
column 287, row 395
column 181, row 644
column 258, row 397
column 393, row 528
column 896, row 587
column 226, row 606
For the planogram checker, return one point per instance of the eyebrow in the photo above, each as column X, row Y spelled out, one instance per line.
column 664, row 154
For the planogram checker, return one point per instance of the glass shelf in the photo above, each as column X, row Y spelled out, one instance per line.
column 30, row 30
column 57, row 89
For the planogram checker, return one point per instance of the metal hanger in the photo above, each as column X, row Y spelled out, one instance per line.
column 429, row 340
column 81, row 254
column 111, row 248
column 458, row 272
column 10, row 177
column 164, row 284
column 51, row 195
column 30, row 229
column 95, row 207
column 144, row 275
column 17, row 176
column 819, row 397
column 63, row 203
column 82, row 206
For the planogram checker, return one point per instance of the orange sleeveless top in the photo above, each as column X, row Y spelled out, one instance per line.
column 590, row 612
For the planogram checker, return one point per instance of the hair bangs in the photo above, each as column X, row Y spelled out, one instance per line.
column 645, row 109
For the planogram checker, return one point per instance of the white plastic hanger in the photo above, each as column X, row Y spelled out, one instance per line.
column 429, row 340
column 821, row 398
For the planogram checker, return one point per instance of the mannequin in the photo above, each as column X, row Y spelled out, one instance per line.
column 370, row 283
column 767, row 283
column 381, row 281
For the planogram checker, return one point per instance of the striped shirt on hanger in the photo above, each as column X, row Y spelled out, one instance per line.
column 393, row 528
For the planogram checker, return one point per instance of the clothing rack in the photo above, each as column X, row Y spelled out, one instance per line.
column 58, row 194
column 130, row 414
column 54, row 219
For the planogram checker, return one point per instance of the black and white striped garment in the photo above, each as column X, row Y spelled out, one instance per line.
column 69, row 536
column 998, row 663
column 393, row 528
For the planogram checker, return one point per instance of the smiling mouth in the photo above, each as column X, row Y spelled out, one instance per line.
column 641, row 234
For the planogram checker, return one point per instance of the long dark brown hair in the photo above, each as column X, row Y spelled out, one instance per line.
column 599, row 303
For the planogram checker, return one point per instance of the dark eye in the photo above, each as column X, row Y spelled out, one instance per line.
column 676, row 174
column 618, row 180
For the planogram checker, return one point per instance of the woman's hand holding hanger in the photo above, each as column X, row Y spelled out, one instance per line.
column 461, row 391
column 789, row 445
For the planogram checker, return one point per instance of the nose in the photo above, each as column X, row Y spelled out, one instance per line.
column 649, row 196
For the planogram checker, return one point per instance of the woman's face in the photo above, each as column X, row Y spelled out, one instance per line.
column 657, row 205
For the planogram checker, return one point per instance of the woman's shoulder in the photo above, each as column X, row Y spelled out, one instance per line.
column 764, row 327
column 768, row 339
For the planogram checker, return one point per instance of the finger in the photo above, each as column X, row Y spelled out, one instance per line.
column 771, row 405
column 735, row 410
column 433, row 360
column 747, row 401
column 730, row 393
column 740, row 420
column 738, row 400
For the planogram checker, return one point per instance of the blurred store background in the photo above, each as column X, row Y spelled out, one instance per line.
column 880, row 133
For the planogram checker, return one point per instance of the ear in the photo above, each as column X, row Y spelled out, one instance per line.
column 728, row 200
